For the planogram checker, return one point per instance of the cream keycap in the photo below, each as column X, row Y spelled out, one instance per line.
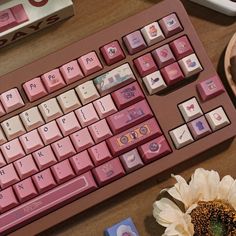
column 69, row 101
column 13, row 127
column 50, row 110
column 2, row 137
column 31, row 118
column 87, row 92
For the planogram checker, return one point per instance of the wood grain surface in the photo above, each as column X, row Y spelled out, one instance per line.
column 215, row 31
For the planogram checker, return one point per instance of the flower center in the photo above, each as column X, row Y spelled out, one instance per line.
column 214, row 218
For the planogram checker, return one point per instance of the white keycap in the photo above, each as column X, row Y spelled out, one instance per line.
column 181, row 136
column 154, row 82
column 13, row 127
column 2, row 137
column 69, row 101
column 152, row 33
column 190, row 109
column 217, row 118
column 190, row 65
column 87, row 92
column 50, row 110
column 31, row 118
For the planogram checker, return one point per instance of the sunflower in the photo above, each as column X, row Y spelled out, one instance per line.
column 209, row 206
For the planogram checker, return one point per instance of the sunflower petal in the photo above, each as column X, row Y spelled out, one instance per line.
column 224, row 187
column 232, row 195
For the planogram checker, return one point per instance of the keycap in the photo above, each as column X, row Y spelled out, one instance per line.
column 199, row 128
column 2, row 111
column 137, row 135
column 53, row 80
column 134, row 42
column 68, row 101
column 100, row 131
column 82, row 140
column 131, row 160
column 8, row 176
column 90, row 63
column 181, row 136
column 145, row 64
column 2, row 137
column 25, row 190
column 68, row 124
column 13, row 127
column 108, row 172
column 127, row 95
column 190, row 109
column 172, row 74
column 100, row 153
column 31, row 118
column 63, row 148
column 87, row 115
column 7, row 200
column 34, row 89
column 152, row 33
column 210, row 88
column 31, row 141
column 87, row 92
column 217, row 118
column 163, row 56
column 114, row 79
column 81, row 162
column 154, row 149
column 112, row 52
column 44, row 157
column 50, row 110
column 11, row 100
column 105, row 106
column 25, row 167
column 71, row 72
column 49, row 132
column 2, row 160
column 154, row 82
column 170, row 25
column 190, row 65
column 12, row 150
column 129, row 117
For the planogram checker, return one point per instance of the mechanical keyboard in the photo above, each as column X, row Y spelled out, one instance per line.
column 105, row 113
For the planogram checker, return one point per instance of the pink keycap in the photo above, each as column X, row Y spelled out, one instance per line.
column 127, row 95
column 2, row 160
column 50, row 132
column 11, row 100
column 154, row 149
column 71, row 72
column 90, row 63
column 129, row 116
column 62, row 171
column 133, row 137
column 2, row 111
column 63, row 148
column 12, row 150
column 68, row 124
column 81, row 162
column 82, row 140
column 87, row 115
column 100, row 131
column 44, row 181
column 44, row 157
column 35, row 89
column 108, row 172
column 20, row 13
column 100, row 153
column 8, row 176
column 145, row 64
column 7, row 20
column 53, row 80
column 7, row 200
column 31, row 141
column 25, row 167
column 25, row 190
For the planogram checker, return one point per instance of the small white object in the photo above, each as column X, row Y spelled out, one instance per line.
column 227, row 7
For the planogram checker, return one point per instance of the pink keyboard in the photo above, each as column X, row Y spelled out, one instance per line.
column 104, row 114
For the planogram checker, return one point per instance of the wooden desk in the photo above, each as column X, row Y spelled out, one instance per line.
column 214, row 29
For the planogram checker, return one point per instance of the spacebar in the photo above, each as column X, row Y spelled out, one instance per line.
column 46, row 202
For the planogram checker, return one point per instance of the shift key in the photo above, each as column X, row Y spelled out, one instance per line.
column 129, row 116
